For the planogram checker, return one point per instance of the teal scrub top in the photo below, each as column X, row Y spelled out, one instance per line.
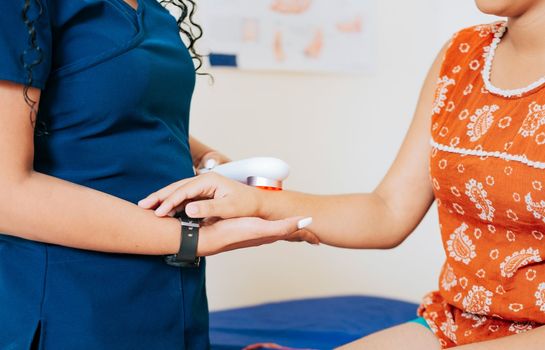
column 116, row 90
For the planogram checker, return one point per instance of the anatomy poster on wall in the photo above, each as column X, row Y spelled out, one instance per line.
column 293, row 35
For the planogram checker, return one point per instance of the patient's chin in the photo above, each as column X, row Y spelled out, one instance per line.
column 505, row 8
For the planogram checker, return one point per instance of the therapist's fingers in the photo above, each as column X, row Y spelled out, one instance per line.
column 203, row 186
column 212, row 159
column 207, row 186
column 200, row 187
column 155, row 198
column 221, row 208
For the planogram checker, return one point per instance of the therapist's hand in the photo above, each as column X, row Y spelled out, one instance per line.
column 211, row 195
column 231, row 234
column 211, row 160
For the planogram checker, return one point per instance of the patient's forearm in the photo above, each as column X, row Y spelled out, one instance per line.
column 46, row 209
column 349, row 221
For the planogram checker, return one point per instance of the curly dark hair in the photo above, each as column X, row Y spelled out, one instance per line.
column 188, row 27
column 33, row 55
column 33, row 50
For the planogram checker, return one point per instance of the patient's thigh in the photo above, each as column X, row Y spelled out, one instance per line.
column 407, row 336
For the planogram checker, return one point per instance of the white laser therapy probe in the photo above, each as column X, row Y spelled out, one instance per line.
column 262, row 172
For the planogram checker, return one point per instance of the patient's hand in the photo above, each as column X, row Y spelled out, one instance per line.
column 225, row 235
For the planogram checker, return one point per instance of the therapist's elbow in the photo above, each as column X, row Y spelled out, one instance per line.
column 12, row 191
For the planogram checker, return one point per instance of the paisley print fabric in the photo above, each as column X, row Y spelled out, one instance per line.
column 488, row 171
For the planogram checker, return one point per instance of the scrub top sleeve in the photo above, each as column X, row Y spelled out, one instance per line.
column 20, row 61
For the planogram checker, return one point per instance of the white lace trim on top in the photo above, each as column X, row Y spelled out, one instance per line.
column 489, row 58
column 480, row 153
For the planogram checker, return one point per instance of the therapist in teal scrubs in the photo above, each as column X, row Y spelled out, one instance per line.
column 94, row 112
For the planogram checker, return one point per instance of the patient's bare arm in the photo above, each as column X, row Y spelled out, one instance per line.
column 385, row 217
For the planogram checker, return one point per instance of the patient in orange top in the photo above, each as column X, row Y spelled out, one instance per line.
column 477, row 147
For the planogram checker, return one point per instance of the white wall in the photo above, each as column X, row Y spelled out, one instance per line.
column 339, row 133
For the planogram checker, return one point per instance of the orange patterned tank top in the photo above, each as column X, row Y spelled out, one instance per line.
column 488, row 173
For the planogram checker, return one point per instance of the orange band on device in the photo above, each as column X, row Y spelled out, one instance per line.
column 268, row 188
column 264, row 183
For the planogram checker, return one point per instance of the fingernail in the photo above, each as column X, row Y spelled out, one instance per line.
column 160, row 211
column 191, row 209
column 304, row 223
column 210, row 163
column 143, row 202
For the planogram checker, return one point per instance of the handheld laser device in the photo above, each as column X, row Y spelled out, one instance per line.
column 262, row 172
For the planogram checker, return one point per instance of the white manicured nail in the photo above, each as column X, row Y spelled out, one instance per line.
column 210, row 163
column 304, row 223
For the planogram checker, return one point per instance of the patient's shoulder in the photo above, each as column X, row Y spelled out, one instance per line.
column 467, row 48
column 482, row 33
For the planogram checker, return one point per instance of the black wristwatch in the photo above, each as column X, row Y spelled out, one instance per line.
column 187, row 255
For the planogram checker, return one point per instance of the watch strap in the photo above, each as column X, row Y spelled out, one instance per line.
column 187, row 254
